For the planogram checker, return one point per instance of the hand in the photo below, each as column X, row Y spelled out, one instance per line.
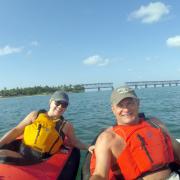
column 91, row 148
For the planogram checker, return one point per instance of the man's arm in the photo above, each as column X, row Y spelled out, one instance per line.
column 176, row 148
column 103, row 156
column 175, row 143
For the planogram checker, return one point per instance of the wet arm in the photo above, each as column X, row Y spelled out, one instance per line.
column 103, row 158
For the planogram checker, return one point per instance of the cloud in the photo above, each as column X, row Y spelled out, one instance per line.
column 35, row 43
column 151, row 13
column 9, row 50
column 96, row 60
column 173, row 41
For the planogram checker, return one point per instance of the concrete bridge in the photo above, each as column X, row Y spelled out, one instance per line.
column 98, row 86
column 154, row 84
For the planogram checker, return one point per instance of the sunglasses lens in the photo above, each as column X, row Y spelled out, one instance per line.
column 63, row 104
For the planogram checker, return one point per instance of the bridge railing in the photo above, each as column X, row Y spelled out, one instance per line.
column 136, row 84
column 97, row 86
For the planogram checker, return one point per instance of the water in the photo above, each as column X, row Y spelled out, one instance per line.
column 90, row 112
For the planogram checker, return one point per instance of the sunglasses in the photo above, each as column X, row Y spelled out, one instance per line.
column 62, row 103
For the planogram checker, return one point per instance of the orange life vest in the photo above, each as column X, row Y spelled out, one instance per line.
column 147, row 149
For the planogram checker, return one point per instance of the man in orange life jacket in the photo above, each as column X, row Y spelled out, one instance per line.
column 135, row 147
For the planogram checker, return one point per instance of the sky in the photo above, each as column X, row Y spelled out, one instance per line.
column 57, row 42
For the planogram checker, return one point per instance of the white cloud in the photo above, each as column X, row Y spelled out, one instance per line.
column 151, row 13
column 96, row 60
column 9, row 50
column 35, row 43
column 173, row 41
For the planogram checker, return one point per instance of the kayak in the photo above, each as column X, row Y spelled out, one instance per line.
column 62, row 165
column 85, row 171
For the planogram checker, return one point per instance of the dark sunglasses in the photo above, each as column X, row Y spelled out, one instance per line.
column 62, row 103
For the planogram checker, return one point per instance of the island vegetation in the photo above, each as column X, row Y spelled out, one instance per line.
column 39, row 90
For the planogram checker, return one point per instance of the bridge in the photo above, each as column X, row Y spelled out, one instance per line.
column 154, row 84
column 98, row 86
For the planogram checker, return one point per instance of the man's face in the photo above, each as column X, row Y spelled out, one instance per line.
column 126, row 111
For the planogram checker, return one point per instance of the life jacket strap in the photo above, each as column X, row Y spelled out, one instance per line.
column 143, row 145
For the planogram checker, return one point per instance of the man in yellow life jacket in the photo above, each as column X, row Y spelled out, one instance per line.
column 135, row 148
column 43, row 131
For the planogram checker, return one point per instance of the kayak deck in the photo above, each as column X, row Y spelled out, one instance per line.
column 56, row 166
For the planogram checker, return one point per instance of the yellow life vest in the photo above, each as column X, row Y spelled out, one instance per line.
column 42, row 136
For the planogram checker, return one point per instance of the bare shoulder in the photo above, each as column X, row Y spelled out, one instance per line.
column 105, row 138
column 68, row 125
column 159, row 123
column 109, row 143
column 29, row 118
column 109, row 128
column 68, row 128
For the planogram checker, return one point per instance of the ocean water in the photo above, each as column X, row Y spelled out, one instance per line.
column 90, row 111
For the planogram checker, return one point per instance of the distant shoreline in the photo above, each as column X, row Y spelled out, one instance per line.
column 38, row 90
column 3, row 97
